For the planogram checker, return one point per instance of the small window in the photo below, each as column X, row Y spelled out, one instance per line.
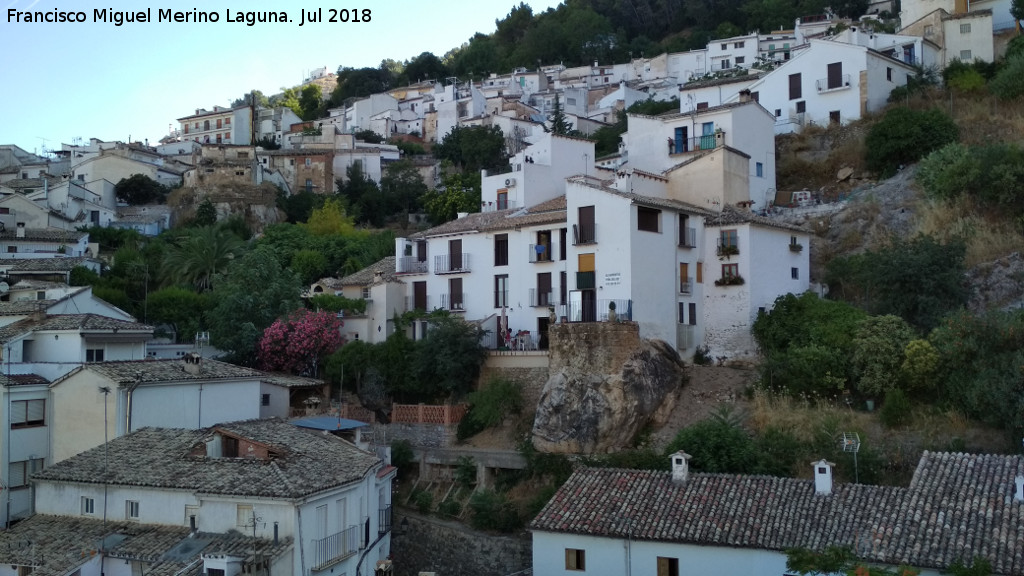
column 965, row 28
column 647, row 219
column 291, row 161
column 725, row 46
column 693, row 314
column 94, row 355
column 309, row 161
column 243, row 513
column 575, row 559
column 131, row 509
column 726, row 64
column 759, row 170
column 801, row 107
column 501, row 249
column 888, row 74
column 88, row 506
column 778, row 112
column 740, row 60
column 40, row 295
column 965, row 55
column 265, row 400
column 794, row 273
column 730, row 270
column 12, row 249
column 929, row 30
column 668, row 566
column 309, row 184
column 19, row 473
column 729, row 238
column 227, row 121
column 738, row 45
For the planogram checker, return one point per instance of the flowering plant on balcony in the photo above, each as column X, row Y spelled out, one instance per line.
column 730, row 280
column 727, row 250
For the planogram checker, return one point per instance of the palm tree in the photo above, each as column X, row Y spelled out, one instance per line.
column 197, row 257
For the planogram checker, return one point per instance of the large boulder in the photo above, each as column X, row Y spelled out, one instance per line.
column 605, row 386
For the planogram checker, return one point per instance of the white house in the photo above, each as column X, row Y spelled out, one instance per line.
column 385, row 296
column 260, row 477
column 616, row 521
column 23, row 242
column 29, row 297
column 110, row 399
column 26, row 425
column 49, row 269
column 538, row 172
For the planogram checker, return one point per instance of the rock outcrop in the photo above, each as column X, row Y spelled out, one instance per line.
column 605, row 386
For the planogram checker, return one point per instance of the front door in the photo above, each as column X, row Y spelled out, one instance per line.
column 542, row 329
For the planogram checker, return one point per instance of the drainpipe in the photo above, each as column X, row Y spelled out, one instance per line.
column 128, row 402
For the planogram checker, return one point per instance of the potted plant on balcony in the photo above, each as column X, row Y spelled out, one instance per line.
column 794, row 247
column 730, row 280
column 727, row 250
column 612, row 316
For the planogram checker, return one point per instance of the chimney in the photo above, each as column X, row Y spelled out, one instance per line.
column 192, row 363
column 744, row 95
column 21, row 230
column 275, row 533
column 822, row 476
column 1018, row 494
column 462, row 215
column 680, row 468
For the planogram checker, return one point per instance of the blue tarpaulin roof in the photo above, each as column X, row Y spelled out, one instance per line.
column 328, row 423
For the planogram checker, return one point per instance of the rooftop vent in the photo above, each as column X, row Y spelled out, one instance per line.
column 680, row 467
column 822, row 476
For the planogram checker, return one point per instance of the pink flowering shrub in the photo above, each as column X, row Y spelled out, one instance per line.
column 298, row 343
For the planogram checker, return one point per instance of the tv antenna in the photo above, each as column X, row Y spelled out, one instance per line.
column 850, row 442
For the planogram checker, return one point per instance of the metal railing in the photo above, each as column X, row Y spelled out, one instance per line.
column 538, row 298
column 541, row 252
column 687, row 238
column 412, row 265
column 495, row 206
column 623, row 309
column 686, row 286
column 411, row 304
column 824, row 85
column 451, row 263
column 335, row 548
column 697, row 143
column 584, row 234
column 384, row 523
column 455, row 301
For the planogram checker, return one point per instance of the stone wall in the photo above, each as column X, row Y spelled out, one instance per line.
column 423, row 435
column 453, row 549
column 596, row 347
column 530, row 379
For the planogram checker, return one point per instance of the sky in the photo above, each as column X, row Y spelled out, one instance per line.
column 93, row 79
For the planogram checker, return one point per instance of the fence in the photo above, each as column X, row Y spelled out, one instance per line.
column 358, row 413
column 427, row 414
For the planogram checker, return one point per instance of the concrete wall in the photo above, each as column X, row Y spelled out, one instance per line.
column 424, row 435
column 453, row 549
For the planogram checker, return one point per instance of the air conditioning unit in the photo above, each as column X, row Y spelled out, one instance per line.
column 510, row 181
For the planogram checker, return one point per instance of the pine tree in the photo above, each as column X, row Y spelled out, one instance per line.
column 559, row 124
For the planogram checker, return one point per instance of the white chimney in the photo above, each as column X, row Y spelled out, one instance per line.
column 21, row 230
column 680, row 467
column 1018, row 494
column 462, row 214
column 822, row 476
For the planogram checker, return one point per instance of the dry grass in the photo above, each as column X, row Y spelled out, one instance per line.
column 987, row 238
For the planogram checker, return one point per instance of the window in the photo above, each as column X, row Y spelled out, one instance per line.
column 726, row 64
column 888, row 74
column 584, row 230
column 575, row 559
column 668, row 566
column 693, row 314
column 834, row 117
column 682, row 312
column 700, row 272
column 227, row 121
column 309, row 184
column 647, row 219
column 28, row 413
column 759, row 170
column 835, row 75
column 778, row 112
column 243, row 514
column 730, row 270
column 291, row 161
column 227, row 135
column 219, row 124
column 40, row 295
column 725, row 46
column 501, row 249
column 542, row 250
column 501, row 291
column 562, row 235
column 740, row 60
column 965, row 55
column 265, row 400
column 12, row 249
column 929, row 30
column 206, row 125
column 794, row 273
column 801, row 107
column 131, row 509
column 94, row 355
column 502, row 200
column 738, row 45
column 20, row 472
column 795, row 91
column 88, row 506
column 728, row 238
column 684, row 278
column 965, row 28
column 309, row 161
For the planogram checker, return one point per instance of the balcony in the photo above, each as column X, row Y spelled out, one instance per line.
column 384, row 523
column 686, row 285
column 623, row 309
column 538, row 298
column 454, row 302
column 794, row 247
column 686, row 335
column 412, row 304
column 697, row 143
column 584, row 234
column 540, row 253
column 586, row 280
column 727, row 250
column 412, row 265
column 688, row 238
column 333, row 549
column 824, row 85
column 495, row 206
column 451, row 264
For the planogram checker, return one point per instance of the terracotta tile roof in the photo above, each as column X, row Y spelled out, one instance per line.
column 44, row 234
column 957, row 506
column 21, row 307
column 731, row 216
column 171, row 370
column 84, row 323
column 22, row 380
column 58, row 264
column 368, row 275
column 550, row 211
column 56, row 545
column 305, row 462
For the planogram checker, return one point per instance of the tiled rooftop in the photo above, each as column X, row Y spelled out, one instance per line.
column 56, row 545
column 957, row 506
column 43, row 234
column 308, row 462
column 548, row 212
column 368, row 275
column 84, row 323
column 171, row 370
column 23, row 265
column 22, row 380
column 730, row 216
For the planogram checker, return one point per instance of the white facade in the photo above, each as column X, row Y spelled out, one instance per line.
column 26, row 422
column 729, row 53
column 538, row 173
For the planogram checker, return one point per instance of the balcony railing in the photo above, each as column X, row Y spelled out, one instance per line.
column 335, row 548
column 586, row 280
column 538, row 298
column 412, row 265
column 454, row 302
column 794, row 247
column 697, row 143
column 451, row 264
column 686, row 285
column 412, row 304
column 623, row 309
column 685, row 336
column 687, row 238
column 384, row 525
column 824, row 85
column 495, row 206
column 584, row 234
column 540, row 252
column 727, row 250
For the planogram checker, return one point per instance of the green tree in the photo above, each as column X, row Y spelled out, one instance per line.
column 426, row 66
column 718, row 444
column 1008, row 84
column 920, row 361
column 249, row 97
column 448, row 358
column 299, row 206
column 363, row 196
column 402, row 187
column 457, row 193
column 949, row 171
column 330, row 219
column 473, row 148
column 476, row 58
column 182, row 309
column 903, row 136
column 310, row 265
column 1017, row 11
column 206, row 214
column 310, row 102
column 490, row 405
column 247, row 299
column 878, row 353
column 140, row 189
column 360, row 83
column 559, row 123
column 200, row 255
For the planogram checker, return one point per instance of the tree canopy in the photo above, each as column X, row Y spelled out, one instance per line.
column 140, row 189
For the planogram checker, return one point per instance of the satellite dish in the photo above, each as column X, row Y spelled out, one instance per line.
column 4, row 287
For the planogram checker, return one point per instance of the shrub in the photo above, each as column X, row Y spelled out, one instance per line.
column 402, row 455
column 465, row 471
column 966, row 76
column 948, row 172
column 493, row 511
column 450, row 508
column 701, row 356
column 878, row 353
column 490, row 405
column 1009, row 82
column 903, row 136
column 895, row 409
column 718, row 444
column 920, row 361
column 424, row 501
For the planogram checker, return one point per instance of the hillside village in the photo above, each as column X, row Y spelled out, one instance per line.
column 358, row 343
